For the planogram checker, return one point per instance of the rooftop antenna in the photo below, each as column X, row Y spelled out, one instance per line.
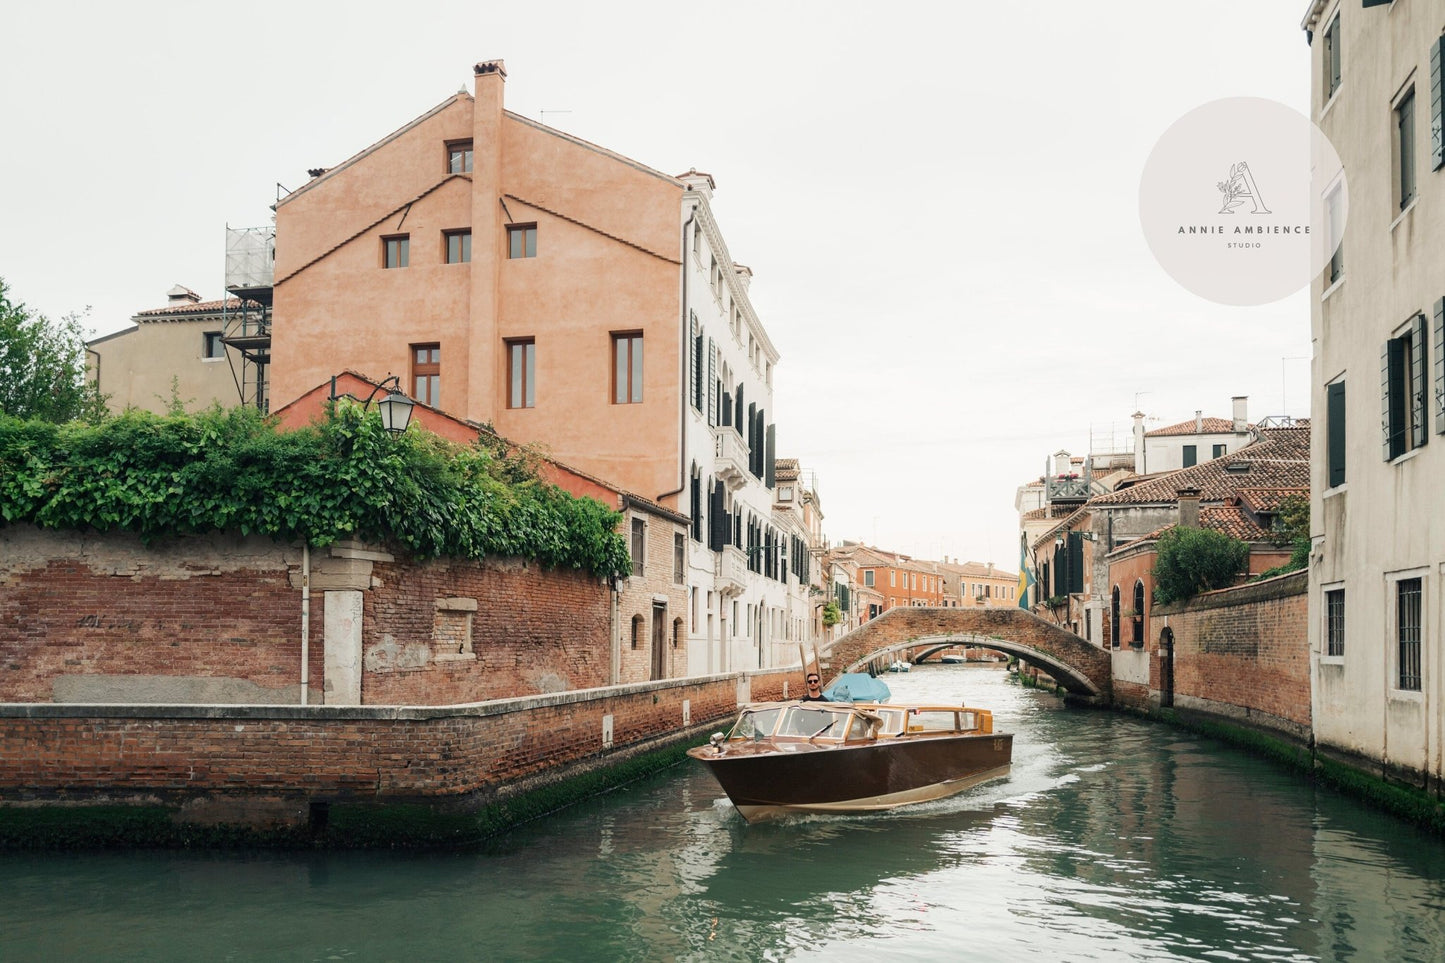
column 1138, row 395
column 544, row 113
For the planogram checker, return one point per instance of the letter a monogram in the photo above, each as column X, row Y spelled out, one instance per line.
column 1238, row 186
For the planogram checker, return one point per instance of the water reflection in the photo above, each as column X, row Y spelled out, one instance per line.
column 1111, row 837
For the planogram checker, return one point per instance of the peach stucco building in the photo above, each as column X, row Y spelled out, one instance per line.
column 517, row 276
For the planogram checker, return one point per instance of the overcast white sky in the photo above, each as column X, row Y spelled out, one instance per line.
column 939, row 201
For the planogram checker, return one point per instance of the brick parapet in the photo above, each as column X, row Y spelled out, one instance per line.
column 98, row 752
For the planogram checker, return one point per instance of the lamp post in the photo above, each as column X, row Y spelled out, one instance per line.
column 395, row 408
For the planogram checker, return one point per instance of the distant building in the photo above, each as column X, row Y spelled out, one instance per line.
column 1190, row 443
column 1377, row 317
column 171, row 353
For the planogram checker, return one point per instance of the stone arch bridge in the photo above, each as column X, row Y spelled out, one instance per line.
column 1083, row 669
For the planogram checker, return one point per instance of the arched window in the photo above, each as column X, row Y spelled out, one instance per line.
column 676, row 632
column 637, row 630
column 1114, row 632
column 1138, row 613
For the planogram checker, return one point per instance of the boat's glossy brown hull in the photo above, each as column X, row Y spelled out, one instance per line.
column 764, row 780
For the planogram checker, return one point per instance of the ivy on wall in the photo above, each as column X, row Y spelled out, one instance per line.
column 346, row 477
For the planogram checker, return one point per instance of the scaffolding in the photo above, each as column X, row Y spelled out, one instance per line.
column 250, row 268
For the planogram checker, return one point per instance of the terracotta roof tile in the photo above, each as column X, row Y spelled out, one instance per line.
column 194, row 307
column 1278, row 460
column 1209, row 426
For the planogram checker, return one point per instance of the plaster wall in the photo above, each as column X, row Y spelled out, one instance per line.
column 1384, row 523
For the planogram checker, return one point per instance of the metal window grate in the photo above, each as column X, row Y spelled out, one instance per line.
column 1335, row 622
column 1408, row 629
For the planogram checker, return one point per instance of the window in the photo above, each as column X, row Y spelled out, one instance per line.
column 639, row 544
column 1335, row 222
column 1191, row 456
column 1219, row 451
column 1407, row 631
column 426, row 373
column 459, row 157
column 1331, row 52
column 637, row 626
column 459, row 247
column 1402, row 377
column 1335, row 622
column 679, row 557
column 892, row 579
column 1115, row 633
column 1405, row 147
column 627, row 368
column 394, row 251
column 521, row 240
column 785, row 493
column 868, row 577
column 522, row 373
column 1138, row 640
column 1437, row 103
column 1335, row 434
column 212, row 346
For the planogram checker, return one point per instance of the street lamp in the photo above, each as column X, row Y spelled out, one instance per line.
column 394, row 407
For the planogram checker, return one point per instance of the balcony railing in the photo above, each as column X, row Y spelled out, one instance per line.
column 731, row 571
column 731, row 463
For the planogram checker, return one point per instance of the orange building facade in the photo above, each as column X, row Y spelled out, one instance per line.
column 570, row 297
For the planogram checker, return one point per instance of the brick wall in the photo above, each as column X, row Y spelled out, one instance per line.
column 1243, row 652
column 321, row 753
column 99, row 617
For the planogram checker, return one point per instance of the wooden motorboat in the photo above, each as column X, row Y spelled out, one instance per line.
column 839, row 757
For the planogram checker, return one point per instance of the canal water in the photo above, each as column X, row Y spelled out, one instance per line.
column 1111, row 839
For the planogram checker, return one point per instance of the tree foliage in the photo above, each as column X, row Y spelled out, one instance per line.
column 1194, row 560
column 233, row 470
column 42, row 366
column 1294, row 530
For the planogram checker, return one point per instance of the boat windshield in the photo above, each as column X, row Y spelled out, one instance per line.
column 755, row 724
column 809, row 723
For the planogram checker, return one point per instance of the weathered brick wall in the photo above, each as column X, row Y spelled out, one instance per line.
column 216, row 607
column 1243, row 651
column 532, row 631
column 331, row 753
column 99, row 617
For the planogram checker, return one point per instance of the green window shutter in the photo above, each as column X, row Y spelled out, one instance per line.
column 1191, row 456
column 1374, row 3
column 695, row 368
column 738, row 409
column 1392, row 400
column 1419, row 365
column 1335, row 429
column 1439, row 343
column 712, row 385
column 769, row 472
column 1076, row 561
column 1437, row 103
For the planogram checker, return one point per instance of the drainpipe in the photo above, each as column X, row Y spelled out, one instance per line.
column 614, row 672
column 686, row 360
column 305, row 619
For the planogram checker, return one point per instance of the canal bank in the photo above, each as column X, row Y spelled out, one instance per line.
column 1112, row 838
column 340, row 777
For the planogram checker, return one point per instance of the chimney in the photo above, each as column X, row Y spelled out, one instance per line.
column 1139, row 460
column 1189, row 507
column 744, row 273
column 698, row 182
column 1241, row 421
column 1198, row 422
column 180, row 294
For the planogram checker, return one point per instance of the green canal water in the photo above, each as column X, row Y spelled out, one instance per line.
column 1111, row 839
